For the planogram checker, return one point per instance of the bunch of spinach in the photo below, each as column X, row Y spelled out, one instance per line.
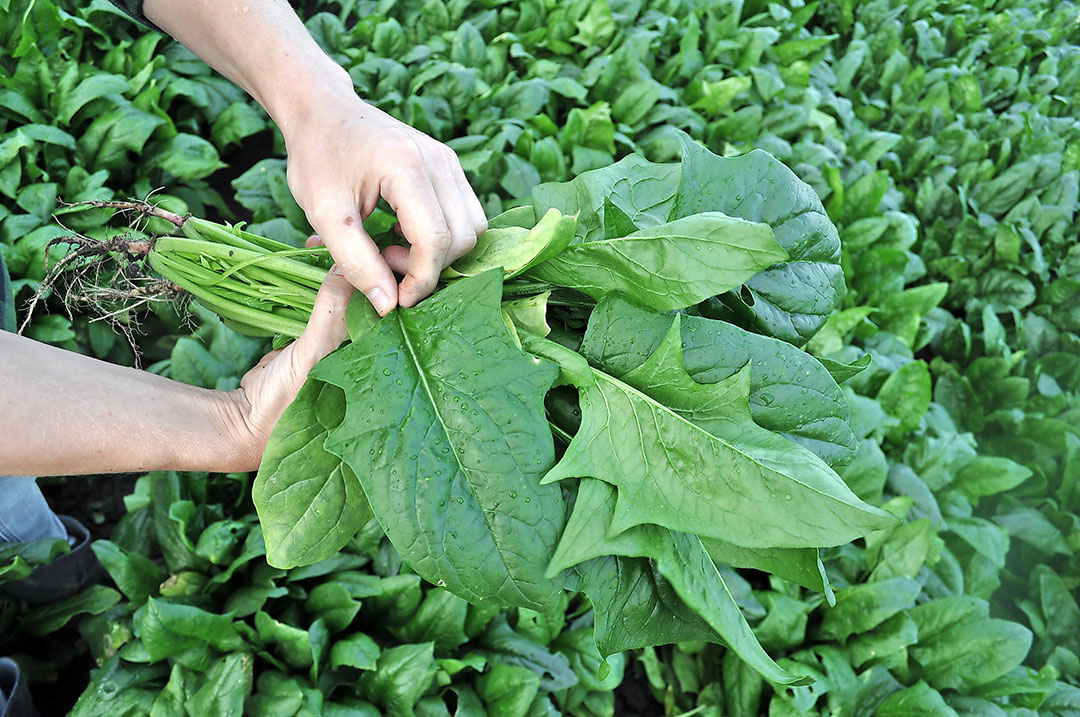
column 433, row 418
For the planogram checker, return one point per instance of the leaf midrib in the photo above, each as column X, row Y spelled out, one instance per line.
column 617, row 240
column 414, row 357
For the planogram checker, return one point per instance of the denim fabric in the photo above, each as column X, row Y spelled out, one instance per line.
column 24, row 514
column 7, row 301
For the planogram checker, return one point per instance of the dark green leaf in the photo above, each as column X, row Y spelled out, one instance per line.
column 424, row 432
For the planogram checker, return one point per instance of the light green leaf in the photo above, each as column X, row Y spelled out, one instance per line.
column 240, row 120
column 402, row 675
column 642, row 190
column 44, row 619
column 888, row 638
column 184, row 632
column 530, row 313
column 106, row 142
column 906, row 394
column 670, row 266
column 635, row 606
column 801, row 566
column 186, row 156
column 689, row 457
column 228, row 683
column 790, row 392
column 136, row 575
column 439, row 619
column 515, row 249
column 358, row 651
column 905, row 551
column 291, row 644
column 972, row 653
column 508, row 689
column 919, row 699
column 862, row 607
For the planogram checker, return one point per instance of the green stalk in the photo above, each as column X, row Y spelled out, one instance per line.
column 558, row 432
column 267, row 261
column 202, row 276
column 245, row 240
column 526, row 288
column 253, row 282
column 227, row 235
column 259, row 259
column 226, row 308
column 202, row 230
column 257, row 276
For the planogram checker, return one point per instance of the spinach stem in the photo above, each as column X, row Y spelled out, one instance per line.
column 225, row 307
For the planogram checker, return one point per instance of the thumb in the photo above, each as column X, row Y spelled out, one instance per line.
column 358, row 256
column 326, row 328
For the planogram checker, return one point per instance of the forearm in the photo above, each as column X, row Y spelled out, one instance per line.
column 64, row 413
column 259, row 44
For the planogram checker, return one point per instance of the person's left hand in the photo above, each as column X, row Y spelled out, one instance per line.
column 268, row 388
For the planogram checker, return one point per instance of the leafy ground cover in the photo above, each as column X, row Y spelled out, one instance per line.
column 939, row 138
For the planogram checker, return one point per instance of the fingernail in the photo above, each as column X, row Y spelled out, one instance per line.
column 379, row 300
column 336, row 270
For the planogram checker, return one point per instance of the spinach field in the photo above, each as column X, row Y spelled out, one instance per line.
column 761, row 395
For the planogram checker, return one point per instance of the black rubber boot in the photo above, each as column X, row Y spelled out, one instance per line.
column 66, row 575
column 14, row 695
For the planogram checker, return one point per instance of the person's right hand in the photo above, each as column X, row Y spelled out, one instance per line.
column 344, row 154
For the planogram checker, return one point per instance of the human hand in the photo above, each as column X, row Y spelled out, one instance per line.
column 268, row 388
column 141, row 421
column 343, row 154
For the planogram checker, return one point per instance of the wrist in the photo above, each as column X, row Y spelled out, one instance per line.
column 232, row 447
column 295, row 101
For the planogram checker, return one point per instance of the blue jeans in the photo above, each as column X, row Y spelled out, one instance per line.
column 24, row 514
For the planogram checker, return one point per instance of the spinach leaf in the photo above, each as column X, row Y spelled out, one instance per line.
column 679, row 557
column 309, row 501
column 689, row 457
column 643, row 191
column 668, row 266
column 792, row 299
column 424, row 431
column 516, row 249
column 790, row 392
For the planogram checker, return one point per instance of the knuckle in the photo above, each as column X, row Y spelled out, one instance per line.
column 440, row 239
column 409, row 154
column 445, row 157
column 318, row 213
column 480, row 226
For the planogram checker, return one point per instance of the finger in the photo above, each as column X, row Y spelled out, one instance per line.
column 313, row 241
column 413, row 198
column 398, row 258
column 472, row 202
column 462, row 233
column 357, row 255
column 326, row 328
